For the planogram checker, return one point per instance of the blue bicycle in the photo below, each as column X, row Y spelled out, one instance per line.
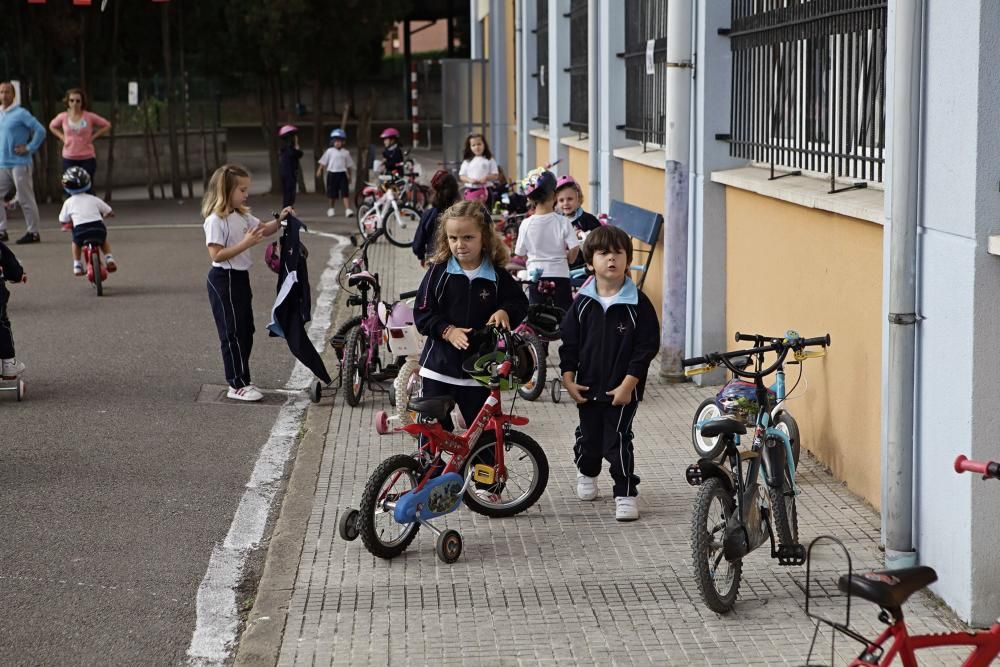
column 737, row 509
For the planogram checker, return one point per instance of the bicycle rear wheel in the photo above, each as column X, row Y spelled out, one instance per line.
column 708, row 448
column 95, row 264
column 784, row 517
column 355, row 366
column 367, row 219
column 534, row 387
column 718, row 579
column 380, row 532
column 527, row 474
column 401, row 227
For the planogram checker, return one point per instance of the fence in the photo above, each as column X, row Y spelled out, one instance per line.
column 542, row 58
column 578, row 66
column 645, row 82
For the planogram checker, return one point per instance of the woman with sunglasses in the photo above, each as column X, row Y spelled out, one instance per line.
column 78, row 128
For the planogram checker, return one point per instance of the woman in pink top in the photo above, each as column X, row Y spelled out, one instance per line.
column 77, row 128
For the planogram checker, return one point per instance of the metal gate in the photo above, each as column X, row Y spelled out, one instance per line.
column 465, row 105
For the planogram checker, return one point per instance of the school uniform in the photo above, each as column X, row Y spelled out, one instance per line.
column 603, row 340
column 544, row 240
column 86, row 212
column 10, row 271
column 338, row 162
column 392, row 158
column 288, row 170
column 450, row 295
column 230, row 295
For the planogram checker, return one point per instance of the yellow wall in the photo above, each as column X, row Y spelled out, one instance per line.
column 541, row 154
column 816, row 272
column 643, row 186
column 579, row 169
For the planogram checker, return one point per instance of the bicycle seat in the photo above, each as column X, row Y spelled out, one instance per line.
column 722, row 425
column 437, row 407
column 362, row 277
column 888, row 588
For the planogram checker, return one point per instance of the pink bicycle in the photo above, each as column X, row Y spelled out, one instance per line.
column 889, row 589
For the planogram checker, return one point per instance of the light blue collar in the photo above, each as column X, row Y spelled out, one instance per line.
column 576, row 214
column 485, row 270
column 628, row 294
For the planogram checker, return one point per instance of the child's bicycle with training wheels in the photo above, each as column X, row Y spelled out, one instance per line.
column 539, row 327
column 363, row 353
column 890, row 589
column 398, row 221
column 738, row 399
column 497, row 471
column 735, row 513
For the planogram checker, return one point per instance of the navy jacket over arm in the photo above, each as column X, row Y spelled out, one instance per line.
column 602, row 347
column 447, row 297
column 11, row 271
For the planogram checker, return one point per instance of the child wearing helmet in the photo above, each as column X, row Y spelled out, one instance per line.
column 547, row 239
column 11, row 271
column 288, row 163
column 338, row 163
column 86, row 213
column 569, row 202
column 609, row 338
column 392, row 154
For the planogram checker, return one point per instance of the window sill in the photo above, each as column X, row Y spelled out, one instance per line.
column 866, row 204
column 540, row 133
column 656, row 159
column 579, row 144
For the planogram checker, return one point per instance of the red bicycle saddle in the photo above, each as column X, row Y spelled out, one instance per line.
column 888, row 588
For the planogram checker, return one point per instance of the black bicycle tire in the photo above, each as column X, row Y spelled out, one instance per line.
column 391, row 235
column 534, row 450
column 537, row 349
column 784, row 516
column 366, row 522
column 95, row 264
column 351, row 360
column 404, row 386
column 793, row 434
column 720, row 446
column 700, row 549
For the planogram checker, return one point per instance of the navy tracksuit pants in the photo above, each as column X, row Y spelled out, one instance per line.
column 230, row 296
column 605, row 432
column 6, row 336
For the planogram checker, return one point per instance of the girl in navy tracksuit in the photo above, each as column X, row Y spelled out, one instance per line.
column 466, row 288
column 609, row 338
column 288, row 164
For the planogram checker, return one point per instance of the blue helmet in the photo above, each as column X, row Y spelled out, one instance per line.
column 338, row 134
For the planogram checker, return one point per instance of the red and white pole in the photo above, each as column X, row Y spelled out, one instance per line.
column 415, row 127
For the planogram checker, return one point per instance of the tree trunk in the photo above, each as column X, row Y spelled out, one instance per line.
column 364, row 140
column 175, row 182
column 269, row 119
column 109, row 178
column 186, row 125
column 319, row 182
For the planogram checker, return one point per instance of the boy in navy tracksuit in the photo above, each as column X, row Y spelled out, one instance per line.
column 609, row 338
column 10, row 271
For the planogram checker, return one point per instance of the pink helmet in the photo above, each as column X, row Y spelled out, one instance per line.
column 389, row 132
column 272, row 257
column 563, row 181
column 287, row 129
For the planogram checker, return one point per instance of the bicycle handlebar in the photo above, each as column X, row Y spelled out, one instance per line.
column 780, row 345
column 989, row 469
column 403, row 296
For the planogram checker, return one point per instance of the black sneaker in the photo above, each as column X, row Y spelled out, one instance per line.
column 3, row 235
column 28, row 238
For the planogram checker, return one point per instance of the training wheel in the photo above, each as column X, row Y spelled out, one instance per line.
column 381, row 422
column 556, row 390
column 20, row 389
column 449, row 546
column 347, row 526
column 315, row 391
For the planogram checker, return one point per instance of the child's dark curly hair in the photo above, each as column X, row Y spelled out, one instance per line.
column 608, row 239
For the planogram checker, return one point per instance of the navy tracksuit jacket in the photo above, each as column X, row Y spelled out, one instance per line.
column 10, row 271
column 601, row 347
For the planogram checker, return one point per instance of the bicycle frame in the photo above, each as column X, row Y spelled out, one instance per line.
column 986, row 643
column 385, row 205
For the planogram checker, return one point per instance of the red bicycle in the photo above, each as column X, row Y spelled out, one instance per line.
column 498, row 471
column 889, row 589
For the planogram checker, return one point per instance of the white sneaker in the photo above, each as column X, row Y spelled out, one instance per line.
column 349, row 213
column 248, row 393
column 11, row 368
column 329, row 212
column 586, row 487
column 626, row 508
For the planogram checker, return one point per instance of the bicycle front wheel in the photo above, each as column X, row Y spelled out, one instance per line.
column 367, row 220
column 406, row 386
column 523, row 482
column 355, row 366
column 401, row 226
column 783, row 513
column 718, row 579
column 707, row 448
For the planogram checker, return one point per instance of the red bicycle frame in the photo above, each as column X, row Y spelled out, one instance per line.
column 986, row 643
column 490, row 416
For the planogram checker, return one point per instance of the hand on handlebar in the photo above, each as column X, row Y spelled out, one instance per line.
column 499, row 319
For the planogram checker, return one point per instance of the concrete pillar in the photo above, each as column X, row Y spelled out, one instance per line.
column 499, row 39
column 557, row 79
column 611, row 72
column 527, row 50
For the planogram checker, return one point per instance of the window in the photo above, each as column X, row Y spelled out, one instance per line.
column 645, row 92
column 542, row 58
column 808, row 88
column 578, row 79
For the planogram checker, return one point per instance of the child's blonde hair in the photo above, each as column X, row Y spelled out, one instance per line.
column 220, row 186
column 493, row 246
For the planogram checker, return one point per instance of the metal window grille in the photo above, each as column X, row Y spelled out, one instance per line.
column 808, row 88
column 645, row 94
column 577, row 69
column 542, row 59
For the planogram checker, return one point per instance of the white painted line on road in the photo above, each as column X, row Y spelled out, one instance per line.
column 217, row 617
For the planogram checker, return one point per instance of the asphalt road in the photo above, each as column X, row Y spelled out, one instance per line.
column 115, row 481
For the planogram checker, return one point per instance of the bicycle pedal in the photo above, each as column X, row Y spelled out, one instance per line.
column 694, row 474
column 338, row 343
column 791, row 554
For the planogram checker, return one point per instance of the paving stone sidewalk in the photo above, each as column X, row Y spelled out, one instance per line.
column 564, row 583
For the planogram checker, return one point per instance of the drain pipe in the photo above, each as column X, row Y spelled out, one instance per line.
column 593, row 100
column 522, row 123
column 903, row 213
column 680, row 81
